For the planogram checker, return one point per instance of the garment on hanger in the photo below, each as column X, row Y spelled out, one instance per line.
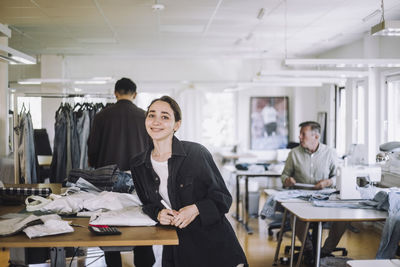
column 71, row 129
column 26, row 148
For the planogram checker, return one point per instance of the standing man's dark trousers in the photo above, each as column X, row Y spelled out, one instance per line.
column 143, row 257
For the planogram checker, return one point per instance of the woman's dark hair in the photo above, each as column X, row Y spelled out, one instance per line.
column 172, row 103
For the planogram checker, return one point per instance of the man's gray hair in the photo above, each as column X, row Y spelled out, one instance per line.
column 315, row 126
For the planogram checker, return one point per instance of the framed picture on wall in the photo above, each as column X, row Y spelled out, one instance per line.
column 269, row 122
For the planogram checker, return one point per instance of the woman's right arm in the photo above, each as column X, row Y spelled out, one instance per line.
column 149, row 207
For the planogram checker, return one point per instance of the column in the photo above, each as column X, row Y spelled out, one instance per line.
column 4, row 151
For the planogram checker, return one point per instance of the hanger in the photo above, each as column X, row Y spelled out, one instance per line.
column 23, row 109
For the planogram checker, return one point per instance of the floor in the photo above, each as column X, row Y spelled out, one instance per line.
column 259, row 247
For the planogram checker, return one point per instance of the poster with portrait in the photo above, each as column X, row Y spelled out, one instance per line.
column 269, row 122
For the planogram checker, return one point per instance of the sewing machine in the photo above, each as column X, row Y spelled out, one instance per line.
column 351, row 178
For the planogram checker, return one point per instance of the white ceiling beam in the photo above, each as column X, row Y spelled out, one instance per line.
column 5, row 31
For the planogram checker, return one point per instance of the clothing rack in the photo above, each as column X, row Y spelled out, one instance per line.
column 17, row 173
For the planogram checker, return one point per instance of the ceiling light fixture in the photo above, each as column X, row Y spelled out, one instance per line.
column 300, row 80
column 315, row 73
column 94, row 81
column 14, row 56
column 348, row 62
column 386, row 28
column 157, row 6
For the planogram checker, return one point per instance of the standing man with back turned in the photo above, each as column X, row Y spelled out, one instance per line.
column 118, row 133
column 313, row 163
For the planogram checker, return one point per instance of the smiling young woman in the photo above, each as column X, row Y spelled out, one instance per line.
column 184, row 176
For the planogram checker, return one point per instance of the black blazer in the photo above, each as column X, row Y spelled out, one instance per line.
column 193, row 179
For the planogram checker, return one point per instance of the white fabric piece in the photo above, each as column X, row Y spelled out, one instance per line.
column 78, row 202
column 111, row 201
column 157, row 250
column 36, row 202
column 69, row 204
column 130, row 216
column 14, row 225
column 1, row 184
column 53, row 225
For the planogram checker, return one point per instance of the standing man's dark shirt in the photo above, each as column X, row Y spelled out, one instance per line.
column 118, row 133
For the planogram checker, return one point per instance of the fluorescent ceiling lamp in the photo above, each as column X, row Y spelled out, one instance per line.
column 15, row 56
column 386, row 28
column 43, row 81
column 315, row 73
column 300, row 80
column 281, row 84
column 96, row 80
column 91, row 82
column 349, row 62
column 29, row 82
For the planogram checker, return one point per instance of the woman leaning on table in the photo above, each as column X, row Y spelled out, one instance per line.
column 184, row 175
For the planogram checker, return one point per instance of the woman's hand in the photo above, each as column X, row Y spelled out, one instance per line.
column 185, row 216
column 166, row 216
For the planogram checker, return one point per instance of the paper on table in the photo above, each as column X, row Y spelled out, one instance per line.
column 304, row 185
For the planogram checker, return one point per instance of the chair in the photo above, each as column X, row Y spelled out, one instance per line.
column 42, row 148
column 313, row 235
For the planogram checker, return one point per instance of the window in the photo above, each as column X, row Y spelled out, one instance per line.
column 392, row 123
column 359, row 112
column 218, row 124
column 341, row 120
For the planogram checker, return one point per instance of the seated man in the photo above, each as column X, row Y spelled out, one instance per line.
column 313, row 163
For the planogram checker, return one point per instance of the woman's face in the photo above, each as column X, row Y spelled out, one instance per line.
column 160, row 121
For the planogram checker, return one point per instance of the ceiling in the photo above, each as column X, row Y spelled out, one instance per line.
column 190, row 28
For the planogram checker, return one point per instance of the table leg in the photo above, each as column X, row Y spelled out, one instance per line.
column 303, row 243
column 278, row 246
column 319, row 241
column 293, row 240
column 236, row 216
column 246, row 207
column 57, row 257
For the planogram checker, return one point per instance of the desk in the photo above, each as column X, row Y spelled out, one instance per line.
column 373, row 263
column 246, row 175
column 305, row 211
column 232, row 156
column 82, row 237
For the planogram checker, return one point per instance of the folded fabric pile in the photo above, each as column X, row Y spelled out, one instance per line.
column 107, row 178
column 35, row 226
column 104, row 177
